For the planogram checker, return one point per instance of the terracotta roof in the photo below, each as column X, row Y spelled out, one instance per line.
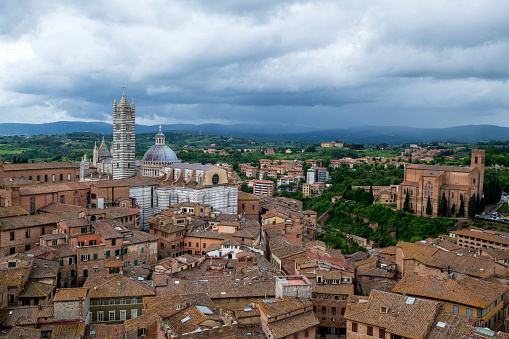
column 74, row 330
column 41, row 165
column 12, row 211
column 24, row 315
column 24, row 333
column 105, row 331
column 409, row 320
column 107, row 230
column 293, row 324
column 64, row 250
column 44, row 269
column 440, row 168
column 33, row 220
column 450, row 325
column 116, row 287
column 70, row 294
column 47, row 188
column 467, row 291
column 246, row 196
column 483, row 236
column 276, row 307
column 34, row 289
column 219, row 288
column 13, row 277
column 56, row 207
column 143, row 321
column 138, row 181
column 191, row 319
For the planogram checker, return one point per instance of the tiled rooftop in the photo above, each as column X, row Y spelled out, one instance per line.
column 409, row 320
column 467, row 291
column 70, row 294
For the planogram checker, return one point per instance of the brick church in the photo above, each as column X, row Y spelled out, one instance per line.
column 423, row 181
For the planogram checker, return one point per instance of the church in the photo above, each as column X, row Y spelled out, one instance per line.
column 158, row 180
column 455, row 183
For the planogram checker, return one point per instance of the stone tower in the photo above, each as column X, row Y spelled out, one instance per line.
column 123, row 139
column 477, row 161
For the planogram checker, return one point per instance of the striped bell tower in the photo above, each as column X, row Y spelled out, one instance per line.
column 123, row 147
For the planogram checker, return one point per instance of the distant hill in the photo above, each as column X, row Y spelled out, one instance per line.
column 360, row 134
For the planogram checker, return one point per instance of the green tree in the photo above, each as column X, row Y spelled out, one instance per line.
column 372, row 197
column 453, row 209
column 406, row 205
column 472, row 207
column 443, row 206
column 429, row 209
column 461, row 210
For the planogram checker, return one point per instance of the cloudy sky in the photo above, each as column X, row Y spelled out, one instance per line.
column 322, row 64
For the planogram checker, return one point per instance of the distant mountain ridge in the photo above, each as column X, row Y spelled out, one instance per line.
column 360, row 134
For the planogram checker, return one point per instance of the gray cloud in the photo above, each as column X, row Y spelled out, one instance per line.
column 314, row 63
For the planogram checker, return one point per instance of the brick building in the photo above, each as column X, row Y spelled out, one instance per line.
column 455, row 183
column 43, row 172
column 249, row 206
column 263, row 187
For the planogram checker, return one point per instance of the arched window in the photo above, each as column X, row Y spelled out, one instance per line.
column 215, row 179
column 476, row 160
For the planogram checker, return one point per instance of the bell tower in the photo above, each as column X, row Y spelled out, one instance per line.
column 477, row 161
column 123, row 139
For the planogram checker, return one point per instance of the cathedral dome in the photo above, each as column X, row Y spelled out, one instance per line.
column 160, row 154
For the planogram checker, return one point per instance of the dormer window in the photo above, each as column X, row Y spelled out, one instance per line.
column 384, row 309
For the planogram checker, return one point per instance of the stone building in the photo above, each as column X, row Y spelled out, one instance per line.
column 72, row 304
column 434, row 182
column 123, row 139
column 42, row 172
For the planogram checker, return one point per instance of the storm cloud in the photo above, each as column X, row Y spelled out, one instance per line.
column 321, row 64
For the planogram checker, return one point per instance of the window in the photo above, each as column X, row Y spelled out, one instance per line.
column 122, row 315
column 12, row 236
column 61, row 176
column 204, row 245
column 370, row 331
column 12, row 264
column 142, row 332
column 83, row 230
column 134, row 314
column 10, row 298
column 112, row 316
column 134, row 301
column 469, row 312
column 306, row 333
column 112, row 301
column 95, row 256
column 72, row 273
column 27, row 234
column 456, row 309
column 324, row 310
column 333, row 311
column 354, row 327
column 32, row 206
column 53, row 177
column 71, row 260
column 85, row 273
column 38, row 178
column 100, row 316
column 107, row 253
column 45, row 334
column 85, row 257
column 68, row 176
column 43, row 230
column 45, row 178
column 113, row 242
column 215, row 179
column 61, row 262
column 381, row 333
column 142, row 250
column 12, row 250
column 198, row 245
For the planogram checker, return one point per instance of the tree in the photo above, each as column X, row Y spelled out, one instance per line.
column 461, row 210
column 453, row 209
column 443, row 206
column 406, row 205
column 472, row 207
column 429, row 209
column 372, row 198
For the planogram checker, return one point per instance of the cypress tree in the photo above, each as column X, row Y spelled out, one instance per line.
column 372, row 198
column 453, row 209
column 429, row 210
column 472, row 207
column 461, row 211
column 406, row 205
column 443, row 206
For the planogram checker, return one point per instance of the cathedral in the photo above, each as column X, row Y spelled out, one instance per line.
column 434, row 182
column 167, row 180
